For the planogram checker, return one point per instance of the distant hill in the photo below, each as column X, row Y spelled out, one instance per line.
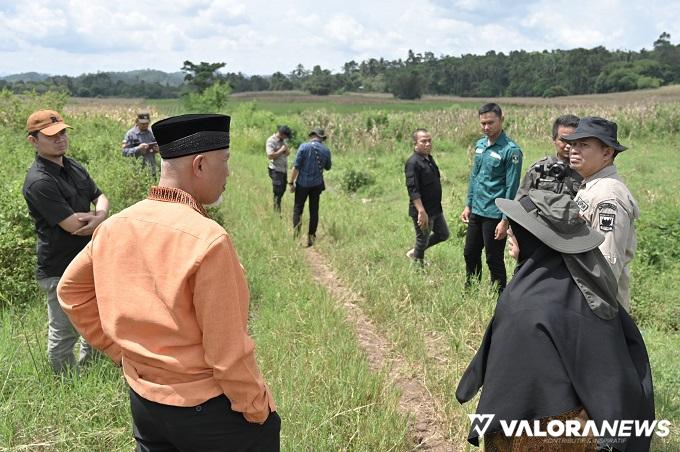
column 25, row 77
column 149, row 76
column 132, row 77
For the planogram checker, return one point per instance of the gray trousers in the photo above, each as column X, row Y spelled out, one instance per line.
column 437, row 231
column 61, row 336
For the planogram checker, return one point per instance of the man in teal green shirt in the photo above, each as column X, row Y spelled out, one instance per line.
column 495, row 173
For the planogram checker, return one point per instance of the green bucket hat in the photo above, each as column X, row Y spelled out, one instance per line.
column 554, row 219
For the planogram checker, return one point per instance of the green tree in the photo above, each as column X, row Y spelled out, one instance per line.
column 320, row 82
column 200, row 76
column 406, row 84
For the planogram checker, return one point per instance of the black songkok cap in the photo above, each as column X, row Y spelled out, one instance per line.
column 191, row 134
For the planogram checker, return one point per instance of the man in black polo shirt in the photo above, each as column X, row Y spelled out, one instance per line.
column 425, row 194
column 59, row 193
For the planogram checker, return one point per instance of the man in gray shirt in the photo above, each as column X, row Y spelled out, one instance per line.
column 277, row 153
column 140, row 142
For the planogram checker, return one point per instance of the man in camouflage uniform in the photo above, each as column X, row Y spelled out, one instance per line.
column 553, row 172
column 604, row 200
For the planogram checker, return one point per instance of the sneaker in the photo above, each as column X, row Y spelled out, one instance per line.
column 411, row 254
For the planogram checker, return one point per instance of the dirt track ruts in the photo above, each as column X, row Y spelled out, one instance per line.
column 416, row 401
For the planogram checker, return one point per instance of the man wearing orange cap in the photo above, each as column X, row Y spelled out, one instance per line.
column 59, row 193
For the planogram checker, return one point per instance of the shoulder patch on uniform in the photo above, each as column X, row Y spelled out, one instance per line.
column 582, row 205
column 606, row 205
column 607, row 221
column 515, row 158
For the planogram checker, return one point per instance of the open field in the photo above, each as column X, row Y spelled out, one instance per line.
column 332, row 392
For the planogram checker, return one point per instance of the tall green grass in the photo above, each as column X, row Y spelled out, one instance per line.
column 327, row 397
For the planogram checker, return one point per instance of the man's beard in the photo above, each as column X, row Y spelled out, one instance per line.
column 215, row 203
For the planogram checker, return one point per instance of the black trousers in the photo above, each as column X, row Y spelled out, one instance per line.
column 480, row 233
column 279, row 181
column 437, row 231
column 301, row 195
column 210, row 427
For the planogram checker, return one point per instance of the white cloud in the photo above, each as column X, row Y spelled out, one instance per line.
column 260, row 36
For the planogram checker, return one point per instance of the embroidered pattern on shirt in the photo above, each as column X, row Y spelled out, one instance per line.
column 168, row 194
column 607, row 221
column 582, row 205
column 606, row 205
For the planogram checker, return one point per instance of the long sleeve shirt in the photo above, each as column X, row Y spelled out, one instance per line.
column 495, row 173
column 160, row 289
column 423, row 182
column 608, row 206
column 312, row 158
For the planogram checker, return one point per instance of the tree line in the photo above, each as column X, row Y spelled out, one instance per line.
column 519, row 73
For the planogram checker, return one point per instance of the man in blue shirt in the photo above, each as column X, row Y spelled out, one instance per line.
column 495, row 174
column 312, row 158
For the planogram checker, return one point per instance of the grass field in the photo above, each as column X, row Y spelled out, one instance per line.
column 328, row 397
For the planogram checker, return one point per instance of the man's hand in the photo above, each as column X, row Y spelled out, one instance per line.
column 143, row 148
column 291, row 187
column 501, row 230
column 465, row 215
column 284, row 150
column 423, row 220
column 91, row 220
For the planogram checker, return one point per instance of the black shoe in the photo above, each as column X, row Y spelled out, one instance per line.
column 310, row 240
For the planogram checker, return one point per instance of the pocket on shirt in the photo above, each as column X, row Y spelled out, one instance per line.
column 493, row 165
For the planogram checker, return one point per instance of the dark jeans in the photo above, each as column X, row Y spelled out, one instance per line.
column 437, row 231
column 210, row 427
column 279, row 181
column 480, row 233
column 301, row 195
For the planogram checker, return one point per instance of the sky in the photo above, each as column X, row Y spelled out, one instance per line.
column 261, row 37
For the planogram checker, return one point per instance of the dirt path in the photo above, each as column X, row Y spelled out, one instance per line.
column 416, row 401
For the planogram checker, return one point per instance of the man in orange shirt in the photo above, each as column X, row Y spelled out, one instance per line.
column 160, row 290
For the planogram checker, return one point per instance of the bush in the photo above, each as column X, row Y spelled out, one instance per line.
column 15, row 109
column 212, row 99
column 556, row 91
column 352, row 180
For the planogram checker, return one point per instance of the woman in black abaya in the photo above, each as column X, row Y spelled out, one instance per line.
column 558, row 346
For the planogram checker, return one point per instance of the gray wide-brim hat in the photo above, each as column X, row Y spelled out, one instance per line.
column 319, row 132
column 554, row 219
column 596, row 127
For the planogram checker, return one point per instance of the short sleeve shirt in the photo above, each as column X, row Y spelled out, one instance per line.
column 53, row 193
column 608, row 206
column 280, row 163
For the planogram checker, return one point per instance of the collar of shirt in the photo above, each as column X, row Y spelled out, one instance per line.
column 607, row 171
column 170, row 194
column 426, row 158
column 501, row 141
column 49, row 166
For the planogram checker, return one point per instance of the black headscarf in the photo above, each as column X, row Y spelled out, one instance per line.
column 546, row 352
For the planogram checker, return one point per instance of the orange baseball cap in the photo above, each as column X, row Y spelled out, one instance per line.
column 48, row 122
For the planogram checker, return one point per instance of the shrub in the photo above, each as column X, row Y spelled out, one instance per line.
column 212, row 99
column 353, row 179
